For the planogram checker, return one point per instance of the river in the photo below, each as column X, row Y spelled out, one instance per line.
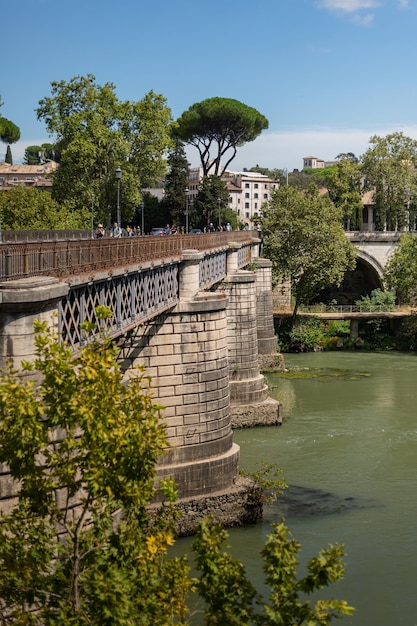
column 348, row 451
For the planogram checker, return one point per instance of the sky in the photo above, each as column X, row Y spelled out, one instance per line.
column 327, row 74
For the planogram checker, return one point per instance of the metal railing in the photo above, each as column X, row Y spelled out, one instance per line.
column 15, row 236
column 81, row 256
column 346, row 308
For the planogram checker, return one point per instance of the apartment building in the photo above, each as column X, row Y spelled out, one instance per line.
column 248, row 191
column 27, row 175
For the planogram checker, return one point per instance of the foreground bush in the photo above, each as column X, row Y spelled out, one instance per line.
column 76, row 547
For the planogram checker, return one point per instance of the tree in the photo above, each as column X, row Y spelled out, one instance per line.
column 31, row 208
column 175, row 197
column 305, row 240
column 37, row 154
column 9, row 133
column 345, row 191
column 349, row 156
column 96, row 133
column 211, row 200
column 8, row 157
column 76, row 546
column 401, row 270
column 231, row 599
column 222, row 124
column 83, row 437
column 389, row 167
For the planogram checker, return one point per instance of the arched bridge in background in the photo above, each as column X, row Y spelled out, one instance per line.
column 373, row 251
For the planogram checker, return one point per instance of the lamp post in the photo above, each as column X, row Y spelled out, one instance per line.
column 186, row 210
column 118, row 177
column 92, row 216
column 142, row 228
column 219, row 201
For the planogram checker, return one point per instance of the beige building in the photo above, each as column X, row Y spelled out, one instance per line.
column 27, row 175
column 248, row 191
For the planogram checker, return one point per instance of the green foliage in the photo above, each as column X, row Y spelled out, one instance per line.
column 77, row 548
column 408, row 336
column 401, row 270
column 344, row 188
column 268, row 478
column 9, row 132
column 389, row 167
column 231, row 600
column 96, row 133
column 37, row 154
column 222, row 123
column 9, row 156
column 175, row 198
column 31, row 208
column 207, row 205
column 306, row 335
column 378, row 301
column 305, row 241
column 81, row 448
column 377, row 334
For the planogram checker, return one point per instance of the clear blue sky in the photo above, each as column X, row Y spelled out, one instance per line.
column 328, row 74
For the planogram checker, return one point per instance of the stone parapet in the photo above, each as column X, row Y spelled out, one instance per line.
column 21, row 303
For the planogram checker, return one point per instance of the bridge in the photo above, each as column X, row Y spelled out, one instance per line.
column 194, row 310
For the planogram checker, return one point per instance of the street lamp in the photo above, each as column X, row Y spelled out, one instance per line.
column 186, row 210
column 219, row 201
column 142, row 230
column 118, row 177
column 92, row 216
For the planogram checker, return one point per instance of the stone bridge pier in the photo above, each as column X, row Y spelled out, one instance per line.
column 202, row 355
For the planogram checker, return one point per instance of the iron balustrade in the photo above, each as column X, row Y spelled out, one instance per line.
column 137, row 278
column 67, row 258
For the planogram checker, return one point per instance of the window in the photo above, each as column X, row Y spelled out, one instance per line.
column 265, row 196
column 246, row 205
column 256, row 185
column 255, row 195
column 238, row 200
column 246, row 185
column 246, row 195
column 256, row 205
column 247, row 214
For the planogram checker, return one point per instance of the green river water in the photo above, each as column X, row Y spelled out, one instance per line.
column 348, row 450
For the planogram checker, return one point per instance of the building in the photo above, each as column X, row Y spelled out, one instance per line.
column 311, row 162
column 27, row 175
column 248, row 191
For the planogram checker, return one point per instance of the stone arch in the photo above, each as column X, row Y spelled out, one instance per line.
column 361, row 281
column 372, row 264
